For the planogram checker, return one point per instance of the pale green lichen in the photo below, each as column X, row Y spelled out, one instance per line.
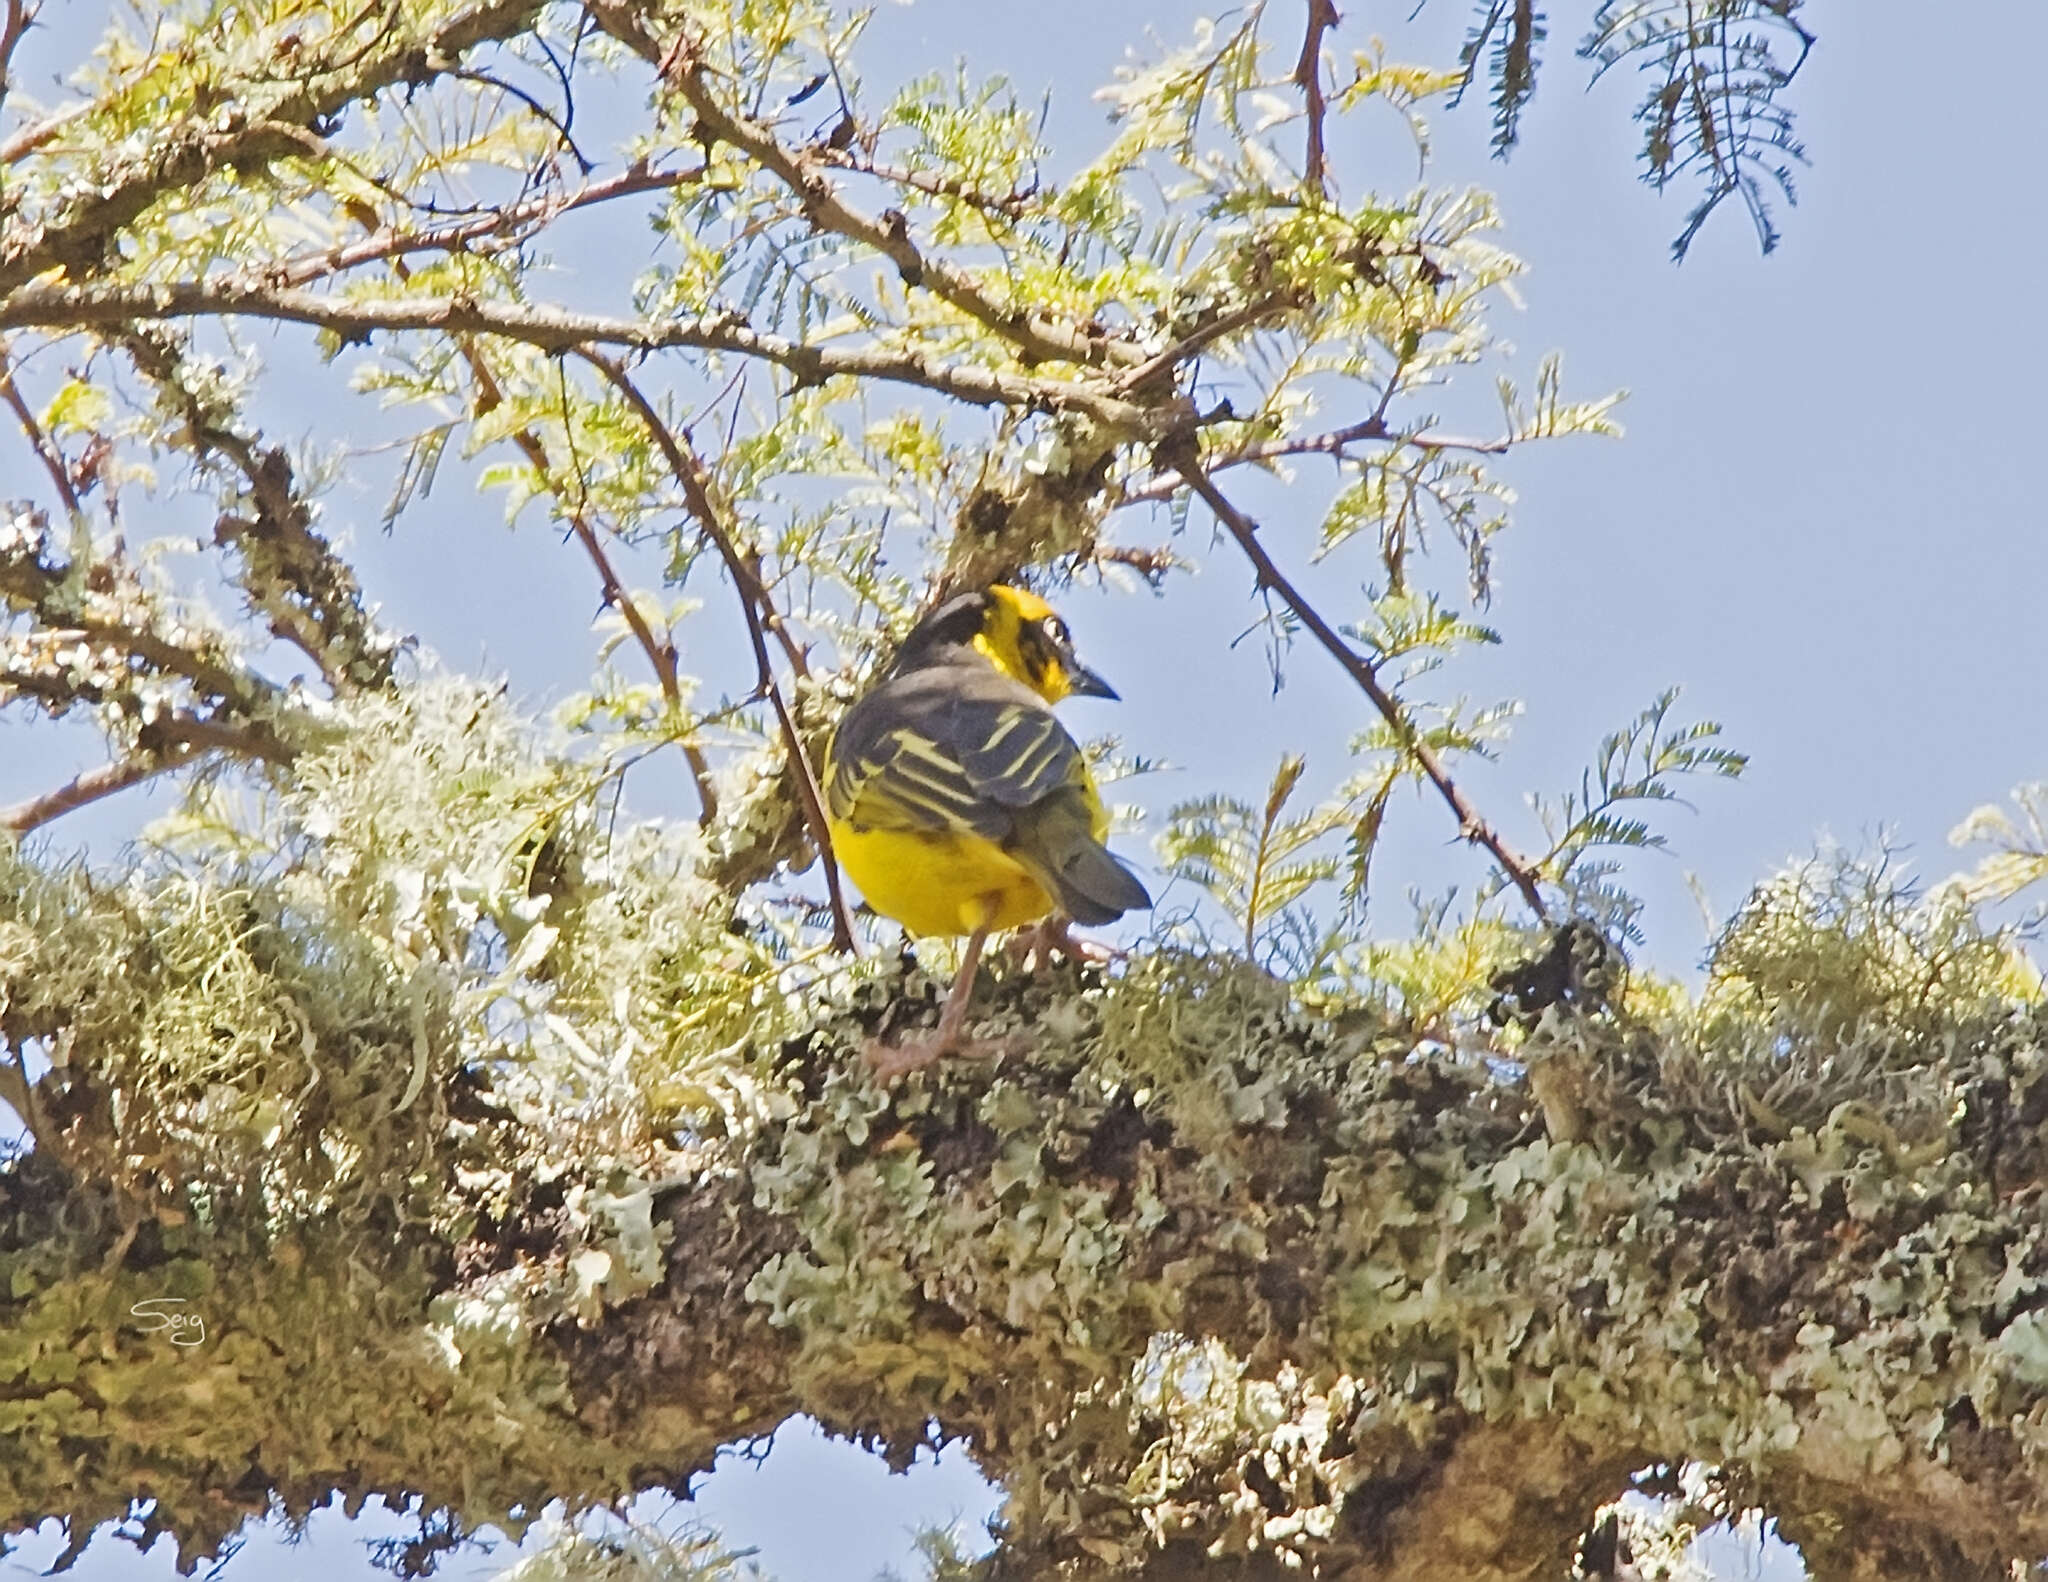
column 1200, row 1263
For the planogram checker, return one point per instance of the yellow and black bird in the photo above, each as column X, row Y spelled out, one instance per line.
column 958, row 802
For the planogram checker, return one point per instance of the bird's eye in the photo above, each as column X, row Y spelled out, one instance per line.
column 1056, row 629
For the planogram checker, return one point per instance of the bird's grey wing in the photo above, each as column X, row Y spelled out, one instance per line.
column 943, row 749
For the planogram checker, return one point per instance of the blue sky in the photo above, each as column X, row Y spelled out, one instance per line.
column 1824, row 522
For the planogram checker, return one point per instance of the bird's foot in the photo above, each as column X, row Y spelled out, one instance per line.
column 887, row 1061
column 1036, row 946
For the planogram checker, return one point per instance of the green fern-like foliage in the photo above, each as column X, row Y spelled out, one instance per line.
column 1713, row 111
column 1637, row 765
column 1507, row 34
column 1255, row 861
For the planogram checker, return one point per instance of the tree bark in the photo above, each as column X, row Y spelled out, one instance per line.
column 1204, row 1282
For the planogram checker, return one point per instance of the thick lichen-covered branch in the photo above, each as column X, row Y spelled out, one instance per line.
column 89, row 631
column 1199, row 1269
column 431, row 1124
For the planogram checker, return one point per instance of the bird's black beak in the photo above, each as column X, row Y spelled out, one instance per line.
column 1085, row 683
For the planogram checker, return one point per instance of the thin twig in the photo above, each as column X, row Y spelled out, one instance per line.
column 661, row 655
column 32, row 137
column 89, row 787
column 756, row 606
column 18, row 18
column 744, row 565
column 560, row 126
column 1518, row 870
column 1333, row 443
column 1011, row 205
column 1308, row 76
column 1184, row 348
column 45, row 449
column 462, row 235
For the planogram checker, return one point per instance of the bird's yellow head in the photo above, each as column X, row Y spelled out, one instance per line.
column 1017, row 632
column 1024, row 638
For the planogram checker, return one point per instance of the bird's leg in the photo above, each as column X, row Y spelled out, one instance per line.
column 948, row 1035
column 1054, row 936
column 890, row 1061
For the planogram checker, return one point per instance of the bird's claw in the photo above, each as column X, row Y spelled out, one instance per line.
column 1036, row 946
column 886, row 1061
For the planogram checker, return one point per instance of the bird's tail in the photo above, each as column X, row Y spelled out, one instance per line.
column 1087, row 880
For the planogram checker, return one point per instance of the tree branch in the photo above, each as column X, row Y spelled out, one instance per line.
column 1513, row 866
column 1195, row 339
column 26, row 140
column 1010, row 205
column 1308, row 76
column 759, row 609
column 70, row 308
column 45, row 449
column 1333, row 443
column 290, row 574
column 247, row 136
column 661, row 655
column 118, row 615
column 556, row 124
column 1458, row 1334
column 249, row 741
column 18, row 18
column 173, row 742
column 496, row 226
column 89, row 787
column 1037, row 337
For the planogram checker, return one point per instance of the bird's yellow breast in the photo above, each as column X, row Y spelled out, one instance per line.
column 938, row 881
